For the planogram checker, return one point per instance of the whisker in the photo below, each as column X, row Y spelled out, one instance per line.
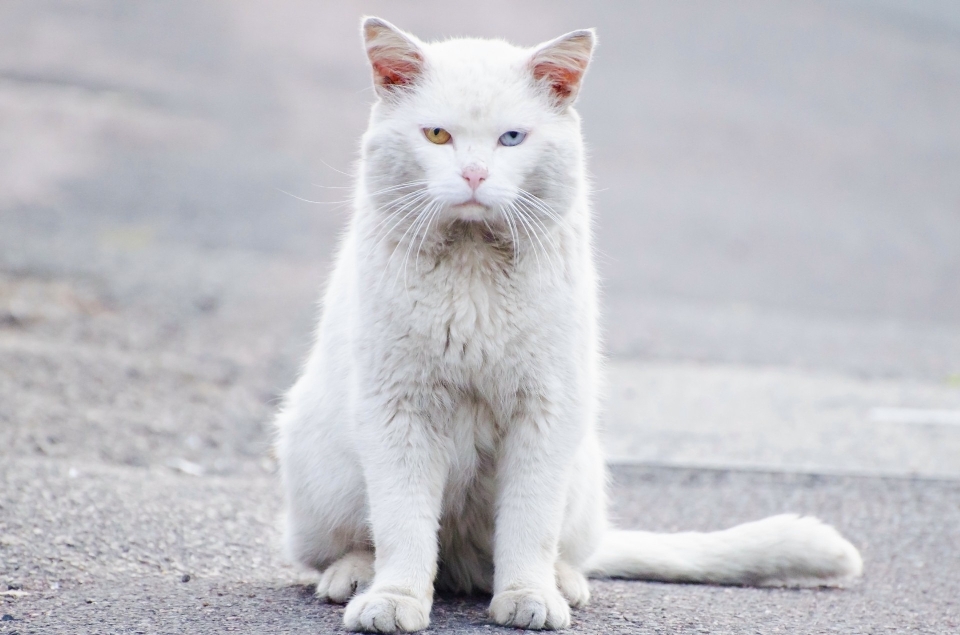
column 514, row 239
column 397, row 187
column 399, row 198
column 526, row 229
column 402, row 201
column 420, row 210
column 551, row 237
column 420, row 222
column 534, row 217
column 538, row 206
column 396, row 202
column 434, row 214
column 542, row 205
column 545, row 231
column 412, row 208
column 525, row 216
column 306, row 200
column 335, row 169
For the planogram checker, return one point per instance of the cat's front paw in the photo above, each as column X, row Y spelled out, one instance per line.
column 530, row 608
column 386, row 612
column 573, row 585
column 350, row 574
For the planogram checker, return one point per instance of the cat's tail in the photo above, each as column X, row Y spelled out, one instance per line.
column 784, row 549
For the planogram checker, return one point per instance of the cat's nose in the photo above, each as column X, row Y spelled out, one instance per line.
column 474, row 175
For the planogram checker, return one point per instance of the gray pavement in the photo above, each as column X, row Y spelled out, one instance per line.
column 778, row 221
column 99, row 552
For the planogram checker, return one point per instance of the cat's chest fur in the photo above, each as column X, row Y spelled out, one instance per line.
column 470, row 298
column 471, row 306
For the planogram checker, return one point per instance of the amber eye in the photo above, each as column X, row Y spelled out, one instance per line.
column 438, row 136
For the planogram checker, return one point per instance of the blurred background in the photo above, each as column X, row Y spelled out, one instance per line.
column 777, row 203
column 777, row 197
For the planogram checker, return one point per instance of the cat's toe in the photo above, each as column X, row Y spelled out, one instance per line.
column 348, row 575
column 385, row 612
column 530, row 608
column 573, row 585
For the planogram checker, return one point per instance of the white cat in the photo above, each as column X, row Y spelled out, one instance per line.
column 444, row 429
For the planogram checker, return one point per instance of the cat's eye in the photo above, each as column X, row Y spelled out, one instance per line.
column 512, row 138
column 438, row 136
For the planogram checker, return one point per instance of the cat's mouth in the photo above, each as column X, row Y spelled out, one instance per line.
column 471, row 210
column 470, row 203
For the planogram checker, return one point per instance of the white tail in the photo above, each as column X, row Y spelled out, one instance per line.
column 782, row 549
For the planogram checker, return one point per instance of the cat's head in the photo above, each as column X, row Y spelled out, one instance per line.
column 480, row 128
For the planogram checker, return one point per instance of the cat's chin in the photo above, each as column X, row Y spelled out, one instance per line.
column 471, row 211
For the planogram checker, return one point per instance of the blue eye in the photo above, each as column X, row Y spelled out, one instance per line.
column 512, row 138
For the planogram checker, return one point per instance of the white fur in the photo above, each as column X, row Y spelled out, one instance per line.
column 447, row 413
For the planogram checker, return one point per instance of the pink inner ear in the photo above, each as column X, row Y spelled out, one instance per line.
column 562, row 79
column 395, row 71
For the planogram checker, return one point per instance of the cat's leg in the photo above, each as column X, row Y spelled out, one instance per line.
column 326, row 511
column 572, row 584
column 326, row 514
column 532, row 474
column 585, row 520
column 351, row 574
column 326, row 524
column 405, row 467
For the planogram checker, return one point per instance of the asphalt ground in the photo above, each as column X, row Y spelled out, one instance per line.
column 96, row 549
column 778, row 221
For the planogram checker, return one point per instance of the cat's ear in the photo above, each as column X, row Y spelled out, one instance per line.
column 558, row 65
column 396, row 58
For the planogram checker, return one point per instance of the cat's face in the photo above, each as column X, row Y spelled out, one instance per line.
column 481, row 128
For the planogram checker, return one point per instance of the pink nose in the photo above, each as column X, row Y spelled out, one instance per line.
column 474, row 175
